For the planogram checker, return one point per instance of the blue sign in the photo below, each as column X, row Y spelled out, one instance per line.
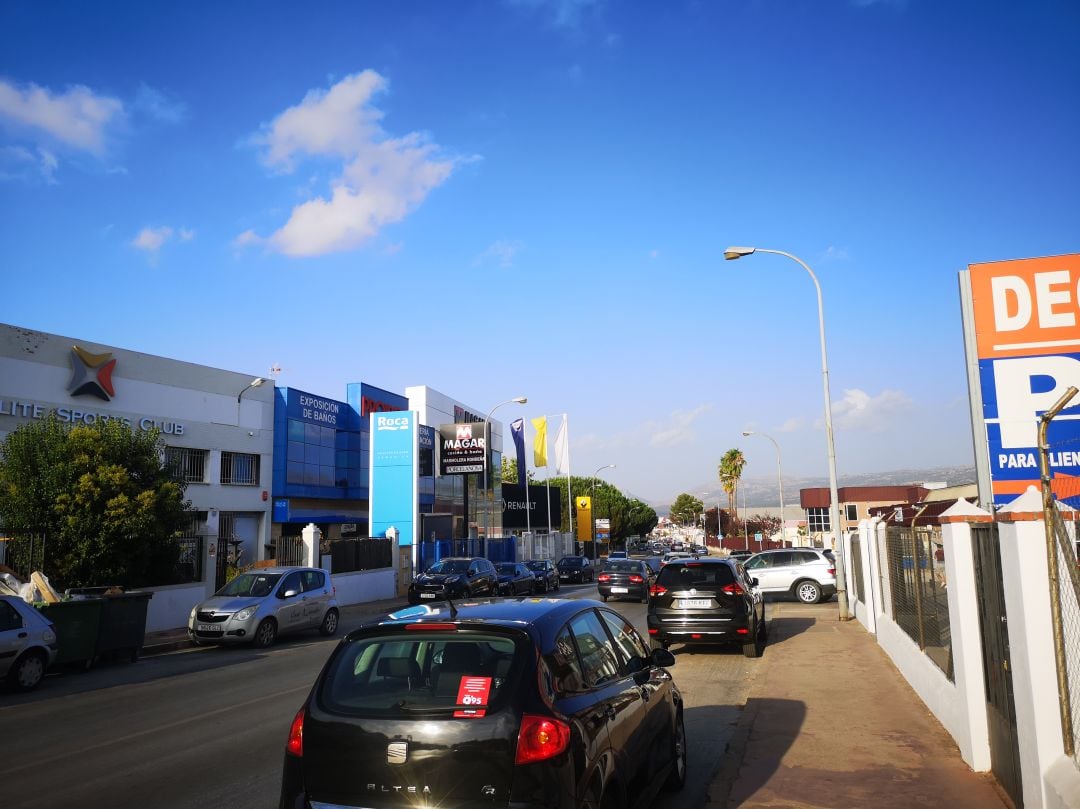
column 316, row 409
column 394, row 458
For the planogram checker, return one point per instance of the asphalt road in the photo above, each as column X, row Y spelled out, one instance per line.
column 207, row 727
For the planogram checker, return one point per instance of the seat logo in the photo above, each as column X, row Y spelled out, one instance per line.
column 91, row 374
column 397, row 752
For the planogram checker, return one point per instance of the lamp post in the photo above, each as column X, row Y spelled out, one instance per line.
column 779, row 476
column 487, row 450
column 592, row 531
column 254, row 383
column 733, row 253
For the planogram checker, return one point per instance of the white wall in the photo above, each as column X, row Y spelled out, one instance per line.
column 171, row 605
column 364, row 585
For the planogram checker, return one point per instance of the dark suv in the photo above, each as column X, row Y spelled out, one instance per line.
column 524, row 703
column 707, row 601
column 575, row 569
column 455, row 578
column 625, row 578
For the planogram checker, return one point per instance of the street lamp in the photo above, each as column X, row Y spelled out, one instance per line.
column 487, row 449
column 254, row 383
column 592, row 528
column 779, row 476
column 733, row 253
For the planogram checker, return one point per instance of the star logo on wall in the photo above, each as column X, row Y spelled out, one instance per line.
column 91, row 374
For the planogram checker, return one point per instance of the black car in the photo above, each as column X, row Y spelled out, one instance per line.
column 625, row 578
column 707, row 601
column 455, row 578
column 525, row 704
column 515, row 579
column 547, row 577
column 575, row 569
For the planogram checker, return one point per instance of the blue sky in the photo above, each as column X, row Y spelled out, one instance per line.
column 533, row 198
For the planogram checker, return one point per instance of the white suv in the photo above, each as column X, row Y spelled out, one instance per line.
column 806, row 573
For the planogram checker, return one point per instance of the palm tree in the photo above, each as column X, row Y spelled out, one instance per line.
column 730, row 470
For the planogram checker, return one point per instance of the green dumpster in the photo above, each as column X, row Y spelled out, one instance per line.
column 123, row 624
column 77, row 626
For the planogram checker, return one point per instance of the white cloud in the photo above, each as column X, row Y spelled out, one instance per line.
column 382, row 179
column 20, row 163
column 833, row 253
column 248, row 238
column 502, row 252
column 151, row 239
column 78, row 117
column 677, row 429
column 159, row 106
column 792, row 425
column 857, row 410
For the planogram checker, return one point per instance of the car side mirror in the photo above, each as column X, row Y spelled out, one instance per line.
column 662, row 658
column 290, row 593
column 753, row 581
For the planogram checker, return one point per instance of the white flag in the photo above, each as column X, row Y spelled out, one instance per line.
column 562, row 451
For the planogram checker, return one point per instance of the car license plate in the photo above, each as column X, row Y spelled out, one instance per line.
column 694, row 603
column 209, row 627
column 564, row 575
column 619, row 590
column 427, row 595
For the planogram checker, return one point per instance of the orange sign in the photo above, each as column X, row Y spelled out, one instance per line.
column 1027, row 307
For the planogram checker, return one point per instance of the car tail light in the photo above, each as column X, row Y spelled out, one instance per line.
column 603, row 577
column 654, row 631
column 733, row 589
column 295, row 745
column 636, row 579
column 657, row 590
column 435, row 627
column 742, row 631
column 541, row 738
column 695, row 636
column 832, row 571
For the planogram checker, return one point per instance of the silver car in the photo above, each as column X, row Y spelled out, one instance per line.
column 806, row 573
column 259, row 605
column 27, row 643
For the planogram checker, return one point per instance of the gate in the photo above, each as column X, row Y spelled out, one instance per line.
column 997, row 668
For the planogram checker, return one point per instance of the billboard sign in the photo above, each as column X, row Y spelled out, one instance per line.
column 394, row 498
column 1022, row 333
column 583, row 509
column 461, row 448
column 516, row 506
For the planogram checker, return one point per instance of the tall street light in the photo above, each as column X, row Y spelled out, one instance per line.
column 779, row 476
column 254, row 383
column 592, row 531
column 487, row 450
column 733, row 253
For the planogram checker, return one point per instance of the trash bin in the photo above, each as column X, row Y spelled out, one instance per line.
column 123, row 624
column 83, row 593
column 77, row 626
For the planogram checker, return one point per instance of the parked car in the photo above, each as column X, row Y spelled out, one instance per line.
column 547, row 577
column 27, row 644
column 553, row 703
column 806, row 573
column 673, row 555
column 575, row 569
column 515, row 579
column 741, row 555
column 625, row 578
column 617, row 555
column 455, row 577
column 707, row 601
column 259, row 605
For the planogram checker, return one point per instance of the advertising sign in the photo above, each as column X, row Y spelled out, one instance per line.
column 583, row 510
column 394, row 500
column 538, row 506
column 461, row 448
column 1022, row 333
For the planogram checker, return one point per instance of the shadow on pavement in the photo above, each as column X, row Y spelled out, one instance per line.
column 782, row 628
column 773, row 725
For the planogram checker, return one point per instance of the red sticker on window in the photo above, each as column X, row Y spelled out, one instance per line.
column 473, row 696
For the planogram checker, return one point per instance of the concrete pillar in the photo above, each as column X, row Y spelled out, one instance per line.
column 867, row 610
column 312, row 539
column 1031, row 644
column 973, row 739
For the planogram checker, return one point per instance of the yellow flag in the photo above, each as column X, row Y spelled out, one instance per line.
column 540, row 443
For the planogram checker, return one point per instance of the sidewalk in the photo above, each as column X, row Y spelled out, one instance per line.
column 831, row 723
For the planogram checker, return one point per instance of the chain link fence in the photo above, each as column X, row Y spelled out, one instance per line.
column 915, row 561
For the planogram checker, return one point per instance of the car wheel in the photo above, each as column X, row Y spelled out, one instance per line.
column 28, row 671
column 329, row 623
column 659, row 644
column 265, row 634
column 753, row 647
column 644, row 597
column 808, row 592
column 677, row 779
column 605, row 598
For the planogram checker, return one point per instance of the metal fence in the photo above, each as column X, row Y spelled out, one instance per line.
column 289, row 550
column 915, row 559
column 348, row 555
column 495, row 549
column 1066, row 617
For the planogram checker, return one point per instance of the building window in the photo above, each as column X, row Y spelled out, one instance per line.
column 188, row 464
column 239, row 469
column 851, row 511
column 817, row 520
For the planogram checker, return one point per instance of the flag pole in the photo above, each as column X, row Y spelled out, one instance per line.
column 569, row 495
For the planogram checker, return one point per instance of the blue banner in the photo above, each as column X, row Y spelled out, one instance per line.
column 517, row 430
column 394, row 496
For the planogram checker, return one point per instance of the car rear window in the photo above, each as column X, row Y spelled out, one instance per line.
column 623, row 567
column 683, row 575
column 433, row 673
